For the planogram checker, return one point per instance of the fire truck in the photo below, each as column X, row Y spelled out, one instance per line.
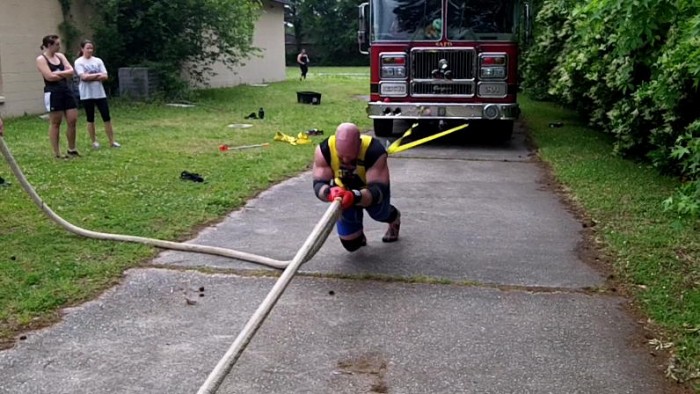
column 444, row 61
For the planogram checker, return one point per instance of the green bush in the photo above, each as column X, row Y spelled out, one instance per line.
column 552, row 29
column 631, row 69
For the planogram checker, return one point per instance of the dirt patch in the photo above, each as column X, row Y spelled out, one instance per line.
column 371, row 366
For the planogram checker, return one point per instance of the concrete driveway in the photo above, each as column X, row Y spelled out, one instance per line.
column 486, row 292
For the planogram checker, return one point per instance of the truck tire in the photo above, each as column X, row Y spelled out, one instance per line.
column 383, row 127
column 503, row 130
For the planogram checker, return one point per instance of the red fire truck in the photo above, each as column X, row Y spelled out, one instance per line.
column 443, row 60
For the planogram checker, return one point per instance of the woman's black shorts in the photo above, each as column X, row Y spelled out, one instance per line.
column 59, row 101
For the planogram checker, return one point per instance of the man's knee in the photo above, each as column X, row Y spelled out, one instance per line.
column 352, row 245
column 393, row 214
column 384, row 212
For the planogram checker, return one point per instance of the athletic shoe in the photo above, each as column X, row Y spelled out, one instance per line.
column 73, row 153
column 95, row 145
column 115, row 144
column 392, row 233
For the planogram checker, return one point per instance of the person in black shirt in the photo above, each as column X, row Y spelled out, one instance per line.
column 303, row 60
column 58, row 96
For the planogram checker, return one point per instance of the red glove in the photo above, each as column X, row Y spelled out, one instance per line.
column 347, row 197
column 335, row 192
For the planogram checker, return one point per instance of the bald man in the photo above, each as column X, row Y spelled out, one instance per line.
column 353, row 167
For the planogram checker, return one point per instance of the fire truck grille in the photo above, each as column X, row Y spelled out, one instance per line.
column 461, row 63
column 442, row 88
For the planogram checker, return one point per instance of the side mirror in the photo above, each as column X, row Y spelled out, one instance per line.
column 528, row 24
column 362, row 32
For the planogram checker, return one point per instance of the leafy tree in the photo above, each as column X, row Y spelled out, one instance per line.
column 294, row 19
column 172, row 36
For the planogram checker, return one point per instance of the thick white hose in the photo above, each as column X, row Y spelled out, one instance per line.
column 320, row 232
column 312, row 244
column 184, row 247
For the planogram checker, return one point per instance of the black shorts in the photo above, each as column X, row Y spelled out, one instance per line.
column 102, row 106
column 59, row 101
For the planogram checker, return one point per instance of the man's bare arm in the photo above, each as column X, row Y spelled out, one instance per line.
column 377, row 174
column 322, row 174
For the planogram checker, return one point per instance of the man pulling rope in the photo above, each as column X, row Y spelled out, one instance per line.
column 354, row 168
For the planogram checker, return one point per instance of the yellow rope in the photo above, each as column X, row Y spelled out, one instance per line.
column 396, row 146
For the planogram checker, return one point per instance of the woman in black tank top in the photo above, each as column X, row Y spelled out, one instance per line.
column 58, row 97
column 55, row 86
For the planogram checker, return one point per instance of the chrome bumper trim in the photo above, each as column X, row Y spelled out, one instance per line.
column 390, row 110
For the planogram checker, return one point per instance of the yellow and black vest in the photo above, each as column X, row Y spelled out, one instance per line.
column 350, row 179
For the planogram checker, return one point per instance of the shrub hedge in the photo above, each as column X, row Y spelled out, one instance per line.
column 631, row 69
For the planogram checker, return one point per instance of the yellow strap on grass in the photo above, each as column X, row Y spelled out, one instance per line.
column 396, row 146
column 300, row 139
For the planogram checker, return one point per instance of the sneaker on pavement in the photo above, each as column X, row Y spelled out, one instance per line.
column 392, row 233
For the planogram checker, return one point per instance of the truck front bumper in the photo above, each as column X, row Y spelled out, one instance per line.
column 490, row 111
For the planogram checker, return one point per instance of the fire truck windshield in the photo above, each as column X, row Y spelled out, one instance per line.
column 467, row 18
column 422, row 20
column 406, row 20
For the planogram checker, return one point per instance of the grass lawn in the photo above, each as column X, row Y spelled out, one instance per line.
column 655, row 255
column 137, row 190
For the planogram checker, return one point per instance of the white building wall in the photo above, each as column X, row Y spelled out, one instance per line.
column 270, row 65
column 23, row 23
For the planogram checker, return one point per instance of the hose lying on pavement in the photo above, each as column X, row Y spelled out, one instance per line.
column 308, row 249
column 311, row 245
column 184, row 247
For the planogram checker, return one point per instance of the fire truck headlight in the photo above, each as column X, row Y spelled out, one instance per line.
column 393, row 65
column 492, row 65
column 492, row 72
column 393, row 72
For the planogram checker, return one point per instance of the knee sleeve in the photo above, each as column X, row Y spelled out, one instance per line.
column 352, row 245
column 393, row 214
column 380, row 192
